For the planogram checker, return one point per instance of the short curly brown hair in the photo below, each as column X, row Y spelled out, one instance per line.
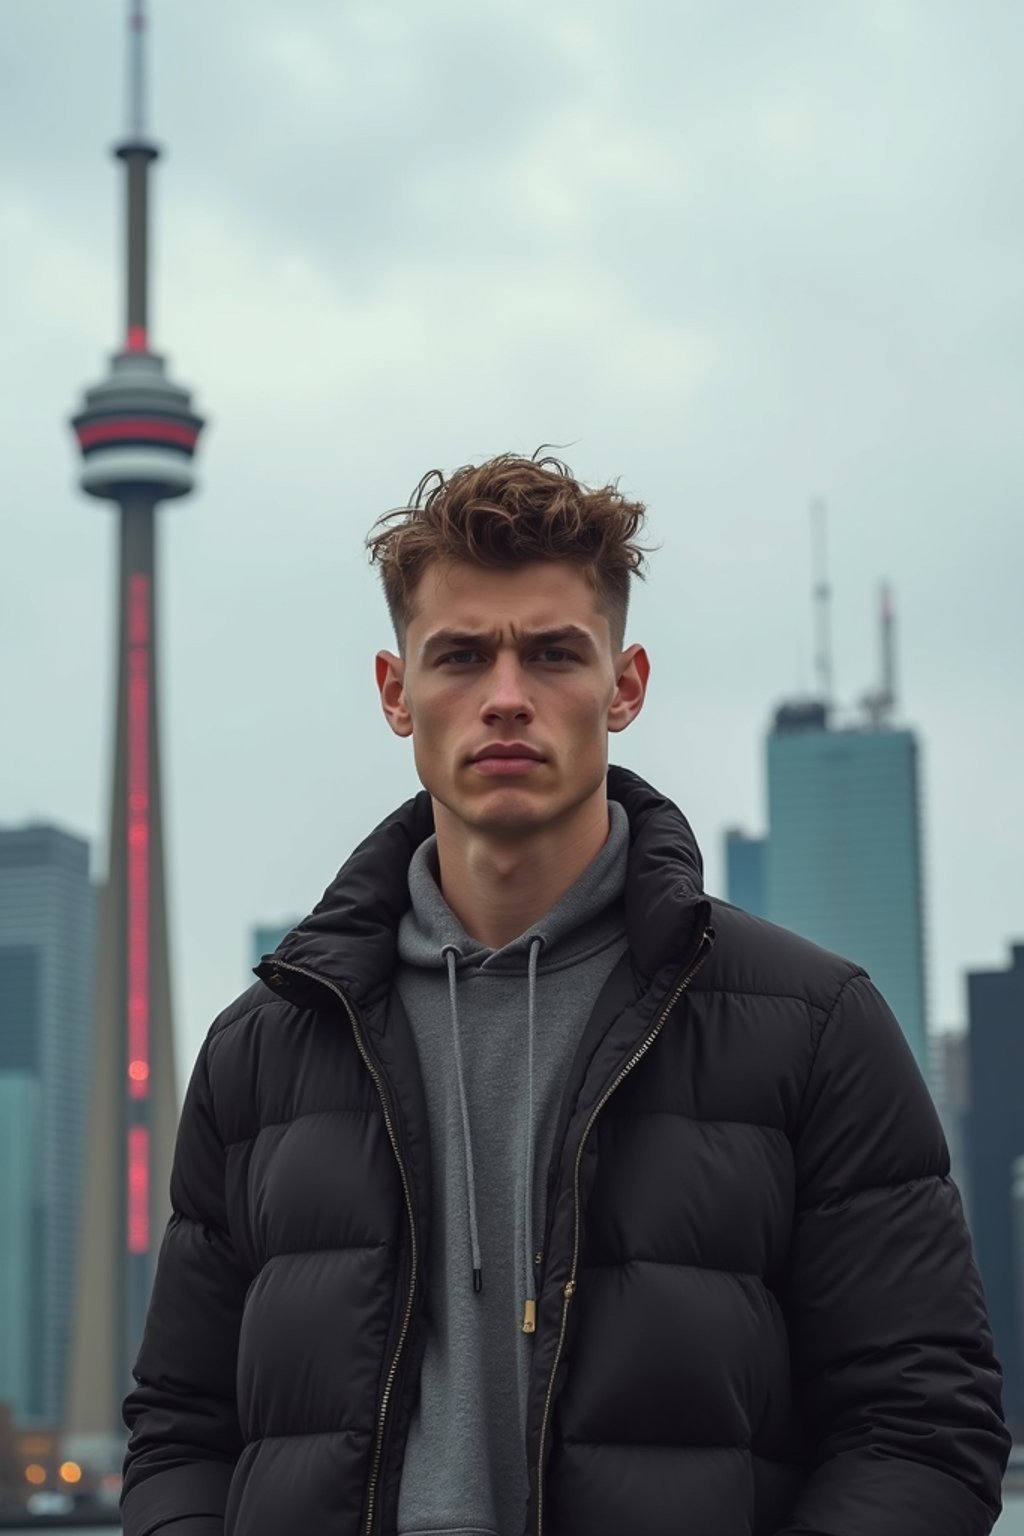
column 507, row 512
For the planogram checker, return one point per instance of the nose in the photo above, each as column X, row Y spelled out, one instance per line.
column 506, row 696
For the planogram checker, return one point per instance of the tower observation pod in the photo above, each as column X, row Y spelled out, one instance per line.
column 137, row 433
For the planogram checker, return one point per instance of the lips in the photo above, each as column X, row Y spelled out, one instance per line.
column 507, row 760
column 515, row 750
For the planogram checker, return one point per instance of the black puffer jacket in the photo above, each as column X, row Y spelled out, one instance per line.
column 758, row 1313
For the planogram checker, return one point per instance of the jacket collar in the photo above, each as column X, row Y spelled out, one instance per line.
column 350, row 938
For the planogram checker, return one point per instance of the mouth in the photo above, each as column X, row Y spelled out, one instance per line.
column 514, row 758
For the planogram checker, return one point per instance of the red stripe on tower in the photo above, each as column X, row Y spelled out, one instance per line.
column 126, row 428
column 137, row 340
column 138, row 1189
column 138, row 837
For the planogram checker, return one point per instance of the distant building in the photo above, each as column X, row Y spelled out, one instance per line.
column 949, row 1081
column 1017, row 1218
column 744, row 870
column 841, row 863
column 46, row 988
column 995, row 1142
column 265, row 938
column 20, row 1220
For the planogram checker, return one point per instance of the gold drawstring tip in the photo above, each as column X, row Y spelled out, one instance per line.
column 530, row 1315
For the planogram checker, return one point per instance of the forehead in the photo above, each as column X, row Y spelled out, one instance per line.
column 541, row 595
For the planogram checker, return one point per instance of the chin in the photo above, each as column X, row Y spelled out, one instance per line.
column 502, row 810
column 508, row 820
column 507, row 802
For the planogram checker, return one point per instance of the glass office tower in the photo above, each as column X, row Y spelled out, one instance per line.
column 995, row 1143
column 46, row 980
column 843, row 854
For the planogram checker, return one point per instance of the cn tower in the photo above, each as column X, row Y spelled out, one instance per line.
column 137, row 433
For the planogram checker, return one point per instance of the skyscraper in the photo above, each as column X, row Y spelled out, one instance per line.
column 995, row 1142
column 841, row 862
column 46, row 984
column 137, row 433
column 843, row 855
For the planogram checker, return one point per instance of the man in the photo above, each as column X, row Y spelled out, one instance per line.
column 531, row 1189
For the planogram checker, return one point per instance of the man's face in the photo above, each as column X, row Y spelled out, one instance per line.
column 509, row 687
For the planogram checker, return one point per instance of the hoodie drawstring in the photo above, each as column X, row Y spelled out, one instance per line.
column 530, row 1305
column 451, row 955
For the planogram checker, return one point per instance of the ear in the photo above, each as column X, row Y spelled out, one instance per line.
column 630, row 688
column 390, row 671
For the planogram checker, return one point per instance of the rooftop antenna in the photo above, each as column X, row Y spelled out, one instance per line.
column 822, row 593
column 137, row 71
column 881, row 702
column 888, row 614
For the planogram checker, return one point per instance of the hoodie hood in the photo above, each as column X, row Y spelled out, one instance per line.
column 577, row 925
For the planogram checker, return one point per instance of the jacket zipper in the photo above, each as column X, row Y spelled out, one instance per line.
column 569, row 1289
column 382, row 1411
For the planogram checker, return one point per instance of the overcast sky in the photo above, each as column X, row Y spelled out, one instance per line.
column 737, row 254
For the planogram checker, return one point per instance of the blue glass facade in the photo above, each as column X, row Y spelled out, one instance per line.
column 843, row 855
column 995, row 1140
column 46, row 974
column 20, row 1213
column 265, row 938
column 744, row 871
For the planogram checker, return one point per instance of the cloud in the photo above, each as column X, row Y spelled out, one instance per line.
column 736, row 254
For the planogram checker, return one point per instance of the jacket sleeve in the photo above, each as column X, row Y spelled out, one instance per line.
column 182, row 1414
column 893, row 1368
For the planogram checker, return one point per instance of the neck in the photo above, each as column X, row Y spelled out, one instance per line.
column 498, row 887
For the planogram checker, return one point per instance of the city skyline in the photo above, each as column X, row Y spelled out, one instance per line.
column 726, row 295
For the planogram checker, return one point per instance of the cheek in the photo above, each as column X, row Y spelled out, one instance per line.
column 583, row 710
column 582, row 727
column 435, row 720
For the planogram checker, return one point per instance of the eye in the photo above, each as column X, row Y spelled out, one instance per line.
column 459, row 658
column 554, row 655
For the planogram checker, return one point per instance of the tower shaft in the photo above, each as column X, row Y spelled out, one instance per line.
column 134, row 1105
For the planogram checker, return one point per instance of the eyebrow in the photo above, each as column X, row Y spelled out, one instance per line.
column 458, row 639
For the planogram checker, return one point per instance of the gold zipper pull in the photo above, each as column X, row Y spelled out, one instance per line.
column 530, row 1315
column 570, row 1290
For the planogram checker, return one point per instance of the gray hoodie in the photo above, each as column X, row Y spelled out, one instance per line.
column 496, row 1032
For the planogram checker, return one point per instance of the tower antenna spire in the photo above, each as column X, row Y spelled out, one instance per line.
column 822, row 593
column 137, row 70
column 880, row 702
